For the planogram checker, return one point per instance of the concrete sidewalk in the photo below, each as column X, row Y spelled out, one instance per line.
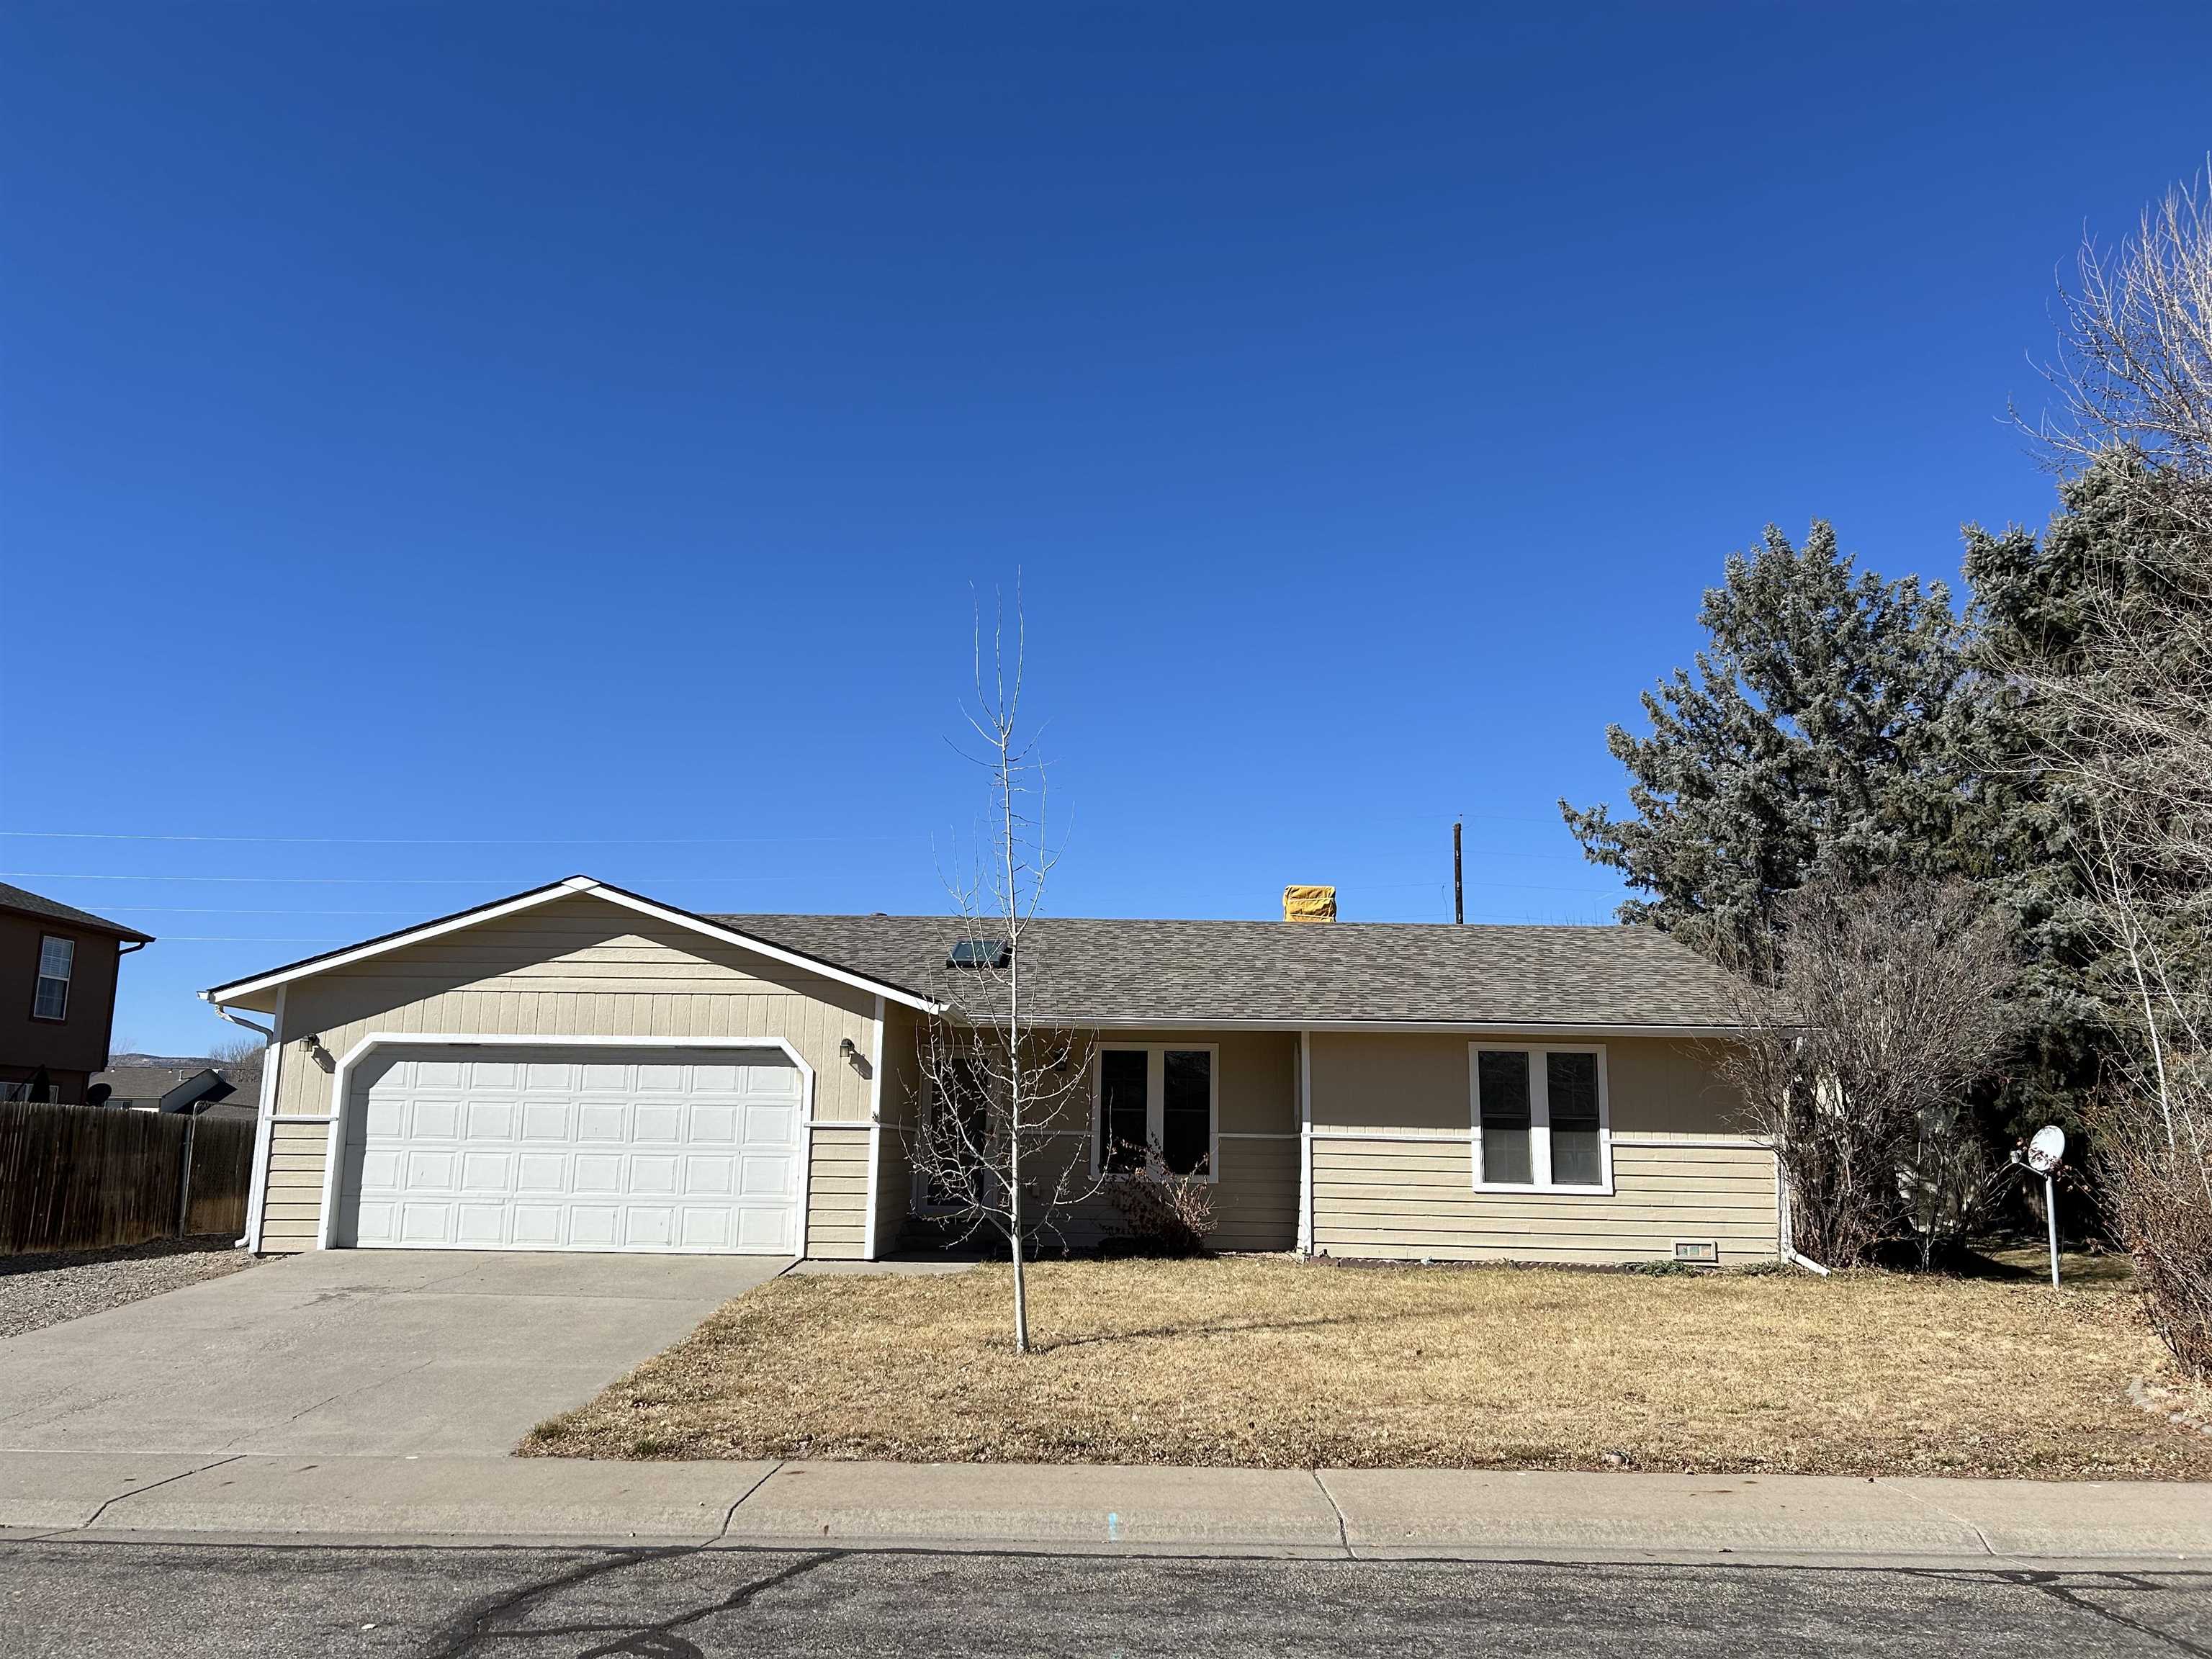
column 1359, row 1513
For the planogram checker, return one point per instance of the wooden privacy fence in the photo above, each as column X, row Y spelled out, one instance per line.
column 79, row 1178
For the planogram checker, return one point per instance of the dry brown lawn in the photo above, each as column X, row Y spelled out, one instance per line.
column 1275, row 1362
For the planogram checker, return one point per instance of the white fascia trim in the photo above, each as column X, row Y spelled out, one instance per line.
column 559, row 890
column 341, row 1080
column 875, row 1136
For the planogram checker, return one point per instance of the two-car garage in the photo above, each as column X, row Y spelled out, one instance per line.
column 579, row 1148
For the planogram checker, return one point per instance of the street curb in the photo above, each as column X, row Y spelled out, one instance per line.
column 1092, row 1509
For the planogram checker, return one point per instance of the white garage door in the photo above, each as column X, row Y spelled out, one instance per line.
column 485, row 1149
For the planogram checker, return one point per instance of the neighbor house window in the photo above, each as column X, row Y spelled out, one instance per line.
column 1160, row 1095
column 56, row 958
column 1541, row 1117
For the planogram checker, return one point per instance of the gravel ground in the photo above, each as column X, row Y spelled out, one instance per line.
column 37, row 1290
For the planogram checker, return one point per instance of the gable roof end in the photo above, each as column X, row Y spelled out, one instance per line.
column 572, row 887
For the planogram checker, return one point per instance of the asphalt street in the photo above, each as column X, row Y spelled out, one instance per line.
column 123, row 1600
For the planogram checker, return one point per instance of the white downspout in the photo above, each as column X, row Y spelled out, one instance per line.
column 1788, row 1242
column 1305, row 1144
column 272, row 1051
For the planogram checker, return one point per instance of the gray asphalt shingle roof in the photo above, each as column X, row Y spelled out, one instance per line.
column 1082, row 969
column 37, row 904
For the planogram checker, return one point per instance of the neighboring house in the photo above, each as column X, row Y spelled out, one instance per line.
column 57, row 973
column 580, row 1067
column 199, row 1088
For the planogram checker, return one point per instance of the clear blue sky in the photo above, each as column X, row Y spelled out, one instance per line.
column 486, row 442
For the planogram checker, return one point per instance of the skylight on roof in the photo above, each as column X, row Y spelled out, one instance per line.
column 978, row 953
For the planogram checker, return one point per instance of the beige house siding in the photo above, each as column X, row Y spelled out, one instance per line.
column 291, row 1210
column 1410, row 1199
column 837, row 1193
column 1393, row 1164
column 578, row 967
column 897, row 1100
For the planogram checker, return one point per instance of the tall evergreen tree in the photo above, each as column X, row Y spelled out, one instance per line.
column 2028, row 833
column 1809, row 741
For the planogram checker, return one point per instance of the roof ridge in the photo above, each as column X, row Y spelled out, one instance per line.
column 1188, row 922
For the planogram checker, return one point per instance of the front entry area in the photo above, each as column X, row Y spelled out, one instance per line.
column 573, row 1147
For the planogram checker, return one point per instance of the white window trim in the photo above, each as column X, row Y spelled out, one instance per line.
column 1540, row 1119
column 39, row 978
column 1156, row 1096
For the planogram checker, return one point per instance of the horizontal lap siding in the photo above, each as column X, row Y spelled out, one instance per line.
column 837, row 1193
column 292, row 1204
column 575, row 968
column 1412, row 1199
column 1255, row 1202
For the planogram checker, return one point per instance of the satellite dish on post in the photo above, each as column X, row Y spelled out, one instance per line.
column 2046, row 1149
column 2044, row 1153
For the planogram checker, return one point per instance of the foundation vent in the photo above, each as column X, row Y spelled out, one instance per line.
column 1703, row 1251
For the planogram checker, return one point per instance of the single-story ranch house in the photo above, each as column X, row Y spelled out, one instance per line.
column 581, row 1068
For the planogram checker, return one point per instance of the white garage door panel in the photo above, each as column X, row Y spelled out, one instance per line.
column 553, row 1151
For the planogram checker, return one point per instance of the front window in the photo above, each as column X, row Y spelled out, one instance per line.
column 1541, row 1117
column 56, row 958
column 1156, row 1095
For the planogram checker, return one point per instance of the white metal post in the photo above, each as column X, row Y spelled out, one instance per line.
column 2050, row 1221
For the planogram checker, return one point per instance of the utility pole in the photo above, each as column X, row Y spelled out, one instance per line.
column 1459, row 895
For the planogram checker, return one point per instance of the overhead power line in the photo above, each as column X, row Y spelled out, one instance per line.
column 359, row 881
column 411, row 841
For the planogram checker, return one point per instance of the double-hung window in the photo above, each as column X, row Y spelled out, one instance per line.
column 57, row 956
column 1541, row 1120
column 1163, row 1095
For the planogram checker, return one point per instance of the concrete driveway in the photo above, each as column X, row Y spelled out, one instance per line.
column 357, row 1352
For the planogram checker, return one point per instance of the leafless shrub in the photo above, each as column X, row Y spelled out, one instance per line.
column 1001, row 1140
column 2161, row 1198
column 1868, row 1016
column 1164, row 1212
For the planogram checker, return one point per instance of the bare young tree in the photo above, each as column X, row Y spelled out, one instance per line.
column 1001, row 1139
column 240, row 1061
column 2134, row 380
column 1868, row 1016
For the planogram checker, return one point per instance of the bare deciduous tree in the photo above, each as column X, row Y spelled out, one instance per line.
column 1002, row 1131
column 2134, row 371
column 1868, row 1016
column 2134, row 379
column 240, row 1061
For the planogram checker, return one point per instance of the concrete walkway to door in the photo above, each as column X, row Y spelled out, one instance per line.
column 358, row 1353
